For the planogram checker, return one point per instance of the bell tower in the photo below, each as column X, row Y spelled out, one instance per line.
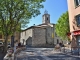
column 46, row 17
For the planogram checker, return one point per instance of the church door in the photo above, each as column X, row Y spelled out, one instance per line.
column 57, row 41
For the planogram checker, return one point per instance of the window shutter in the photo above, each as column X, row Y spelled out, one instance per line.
column 79, row 2
column 79, row 20
column 76, row 3
column 76, row 17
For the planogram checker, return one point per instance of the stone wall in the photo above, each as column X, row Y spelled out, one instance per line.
column 55, row 37
column 49, row 35
column 26, row 36
column 58, row 38
column 39, row 38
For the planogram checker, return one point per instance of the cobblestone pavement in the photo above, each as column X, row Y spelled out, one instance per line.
column 44, row 54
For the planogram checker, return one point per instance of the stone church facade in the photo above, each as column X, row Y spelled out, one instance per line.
column 42, row 34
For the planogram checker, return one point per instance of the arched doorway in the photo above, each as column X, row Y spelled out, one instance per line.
column 57, row 41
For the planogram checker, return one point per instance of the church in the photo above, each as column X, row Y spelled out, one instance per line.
column 41, row 35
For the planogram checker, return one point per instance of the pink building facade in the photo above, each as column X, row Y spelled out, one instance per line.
column 74, row 21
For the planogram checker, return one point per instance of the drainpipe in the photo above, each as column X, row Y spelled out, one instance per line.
column 53, row 33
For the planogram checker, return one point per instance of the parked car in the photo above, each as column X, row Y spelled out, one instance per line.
column 1, row 44
column 9, row 45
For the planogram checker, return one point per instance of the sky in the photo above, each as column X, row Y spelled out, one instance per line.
column 54, row 7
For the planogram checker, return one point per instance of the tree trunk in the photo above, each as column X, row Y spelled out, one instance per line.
column 5, row 43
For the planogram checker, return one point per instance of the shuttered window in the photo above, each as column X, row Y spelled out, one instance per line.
column 77, row 2
column 78, row 20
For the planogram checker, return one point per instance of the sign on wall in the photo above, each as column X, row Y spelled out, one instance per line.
column 52, row 35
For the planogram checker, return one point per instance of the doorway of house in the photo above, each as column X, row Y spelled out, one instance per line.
column 78, row 40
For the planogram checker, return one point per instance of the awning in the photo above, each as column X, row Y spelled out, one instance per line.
column 77, row 32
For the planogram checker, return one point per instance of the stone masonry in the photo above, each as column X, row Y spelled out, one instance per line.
column 42, row 34
column 39, row 37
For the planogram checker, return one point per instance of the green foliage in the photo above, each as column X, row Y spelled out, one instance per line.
column 62, row 26
column 16, row 13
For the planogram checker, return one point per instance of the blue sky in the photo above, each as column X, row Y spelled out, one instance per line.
column 54, row 7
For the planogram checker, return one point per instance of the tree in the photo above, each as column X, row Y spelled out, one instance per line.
column 14, row 13
column 62, row 26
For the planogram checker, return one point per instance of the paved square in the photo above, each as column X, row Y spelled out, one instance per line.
column 44, row 54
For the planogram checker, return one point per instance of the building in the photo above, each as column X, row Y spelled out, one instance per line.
column 16, row 37
column 74, row 21
column 42, row 34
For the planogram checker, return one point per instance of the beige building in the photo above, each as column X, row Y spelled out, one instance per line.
column 42, row 34
column 16, row 37
column 74, row 21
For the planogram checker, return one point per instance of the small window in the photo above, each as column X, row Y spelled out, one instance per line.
column 78, row 20
column 47, row 18
column 25, row 33
column 77, row 2
column 0, row 36
column 78, row 40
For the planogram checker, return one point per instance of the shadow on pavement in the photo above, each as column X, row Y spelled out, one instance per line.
column 31, row 58
column 1, row 55
column 60, row 56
